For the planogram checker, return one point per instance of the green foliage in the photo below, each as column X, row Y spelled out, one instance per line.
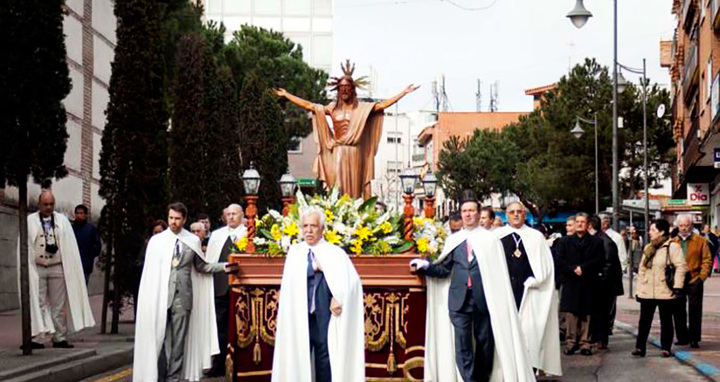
column 277, row 62
column 133, row 160
column 203, row 150
column 538, row 159
column 34, row 81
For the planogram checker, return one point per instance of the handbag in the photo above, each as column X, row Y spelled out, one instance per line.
column 669, row 270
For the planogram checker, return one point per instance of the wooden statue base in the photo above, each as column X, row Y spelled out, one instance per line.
column 394, row 302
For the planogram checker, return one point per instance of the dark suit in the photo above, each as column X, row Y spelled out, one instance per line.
column 608, row 287
column 518, row 266
column 469, row 313
column 319, row 321
column 222, row 302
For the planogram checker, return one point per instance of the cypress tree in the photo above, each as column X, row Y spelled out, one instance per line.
column 133, row 160
column 34, row 81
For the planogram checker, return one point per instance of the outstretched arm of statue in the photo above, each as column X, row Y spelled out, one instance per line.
column 382, row 105
column 303, row 103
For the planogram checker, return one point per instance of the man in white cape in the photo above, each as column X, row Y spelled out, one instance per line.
column 175, row 332
column 538, row 297
column 320, row 311
column 218, row 250
column 442, row 343
column 58, row 295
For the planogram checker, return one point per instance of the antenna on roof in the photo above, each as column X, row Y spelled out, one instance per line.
column 478, row 96
column 494, row 97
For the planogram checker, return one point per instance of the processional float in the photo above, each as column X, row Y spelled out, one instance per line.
column 380, row 244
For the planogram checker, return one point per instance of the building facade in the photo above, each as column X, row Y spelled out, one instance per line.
column 89, row 28
column 693, row 59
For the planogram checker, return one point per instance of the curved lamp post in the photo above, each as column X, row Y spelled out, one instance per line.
column 251, row 184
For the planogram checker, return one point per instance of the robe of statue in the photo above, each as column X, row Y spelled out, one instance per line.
column 347, row 158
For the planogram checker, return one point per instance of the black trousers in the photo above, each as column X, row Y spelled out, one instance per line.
column 602, row 316
column 689, row 307
column 473, row 321
column 221, row 316
column 647, row 312
column 318, row 326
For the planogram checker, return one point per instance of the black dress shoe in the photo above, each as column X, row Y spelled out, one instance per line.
column 586, row 352
column 35, row 345
column 665, row 353
column 638, row 353
column 62, row 345
column 570, row 351
column 681, row 343
column 694, row 345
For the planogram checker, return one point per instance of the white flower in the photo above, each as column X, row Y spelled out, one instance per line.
column 285, row 243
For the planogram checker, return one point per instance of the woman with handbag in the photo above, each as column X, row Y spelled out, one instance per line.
column 660, row 279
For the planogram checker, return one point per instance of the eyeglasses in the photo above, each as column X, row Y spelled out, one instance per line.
column 516, row 212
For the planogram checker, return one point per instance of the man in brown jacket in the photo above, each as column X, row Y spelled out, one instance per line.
column 697, row 257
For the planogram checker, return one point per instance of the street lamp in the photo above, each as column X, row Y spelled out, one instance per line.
column 407, row 179
column 429, row 185
column 579, row 15
column 251, row 183
column 578, row 132
column 643, row 83
column 287, row 189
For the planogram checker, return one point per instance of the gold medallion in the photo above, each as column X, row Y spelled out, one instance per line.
column 175, row 261
column 517, row 252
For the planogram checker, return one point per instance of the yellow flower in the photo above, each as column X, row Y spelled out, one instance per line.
column 241, row 243
column 386, row 227
column 292, row 229
column 363, row 232
column 344, row 198
column 332, row 237
column 329, row 217
column 418, row 221
column 422, row 244
column 356, row 247
column 275, row 232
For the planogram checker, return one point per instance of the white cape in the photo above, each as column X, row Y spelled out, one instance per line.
column 622, row 251
column 201, row 341
column 216, row 242
column 79, row 312
column 539, row 306
column 346, row 332
column 510, row 361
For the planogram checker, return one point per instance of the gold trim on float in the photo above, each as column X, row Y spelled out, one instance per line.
column 415, row 348
column 253, row 373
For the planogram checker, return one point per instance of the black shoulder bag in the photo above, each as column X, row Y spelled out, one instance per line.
column 669, row 270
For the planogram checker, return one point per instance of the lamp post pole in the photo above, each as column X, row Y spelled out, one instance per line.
column 577, row 131
column 615, row 124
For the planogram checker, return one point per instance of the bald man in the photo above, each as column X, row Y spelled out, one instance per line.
column 58, row 295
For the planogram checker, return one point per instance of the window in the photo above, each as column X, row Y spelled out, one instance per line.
column 295, row 145
column 394, row 137
column 394, row 167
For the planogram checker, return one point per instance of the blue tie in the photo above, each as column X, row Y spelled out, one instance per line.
column 311, row 282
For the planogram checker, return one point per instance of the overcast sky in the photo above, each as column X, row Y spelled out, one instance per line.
column 520, row 44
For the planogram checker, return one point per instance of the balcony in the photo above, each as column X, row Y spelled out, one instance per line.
column 688, row 13
column 690, row 74
column 691, row 148
column 715, row 14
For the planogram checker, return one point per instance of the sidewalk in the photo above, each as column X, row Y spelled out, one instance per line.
column 94, row 353
column 706, row 359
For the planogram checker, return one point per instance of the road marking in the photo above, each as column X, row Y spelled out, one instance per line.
column 117, row 376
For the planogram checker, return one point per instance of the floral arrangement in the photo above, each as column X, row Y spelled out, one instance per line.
column 353, row 224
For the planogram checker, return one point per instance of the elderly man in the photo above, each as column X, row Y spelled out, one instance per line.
column 699, row 261
column 477, row 292
column 320, row 315
column 579, row 259
column 609, row 285
column 198, row 229
column 58, row 295
column 219, row 248
column 532, row 276
column 174, row 337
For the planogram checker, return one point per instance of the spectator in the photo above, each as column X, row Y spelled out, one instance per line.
column 652, row 289
column 88, row 240
column 198, row 229
column 698, row 260
column 487, row 217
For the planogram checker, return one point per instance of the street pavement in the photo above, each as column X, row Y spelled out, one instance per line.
column 107, row 358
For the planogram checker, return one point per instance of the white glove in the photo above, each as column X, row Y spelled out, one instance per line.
column 419, row 263
column 531, row 282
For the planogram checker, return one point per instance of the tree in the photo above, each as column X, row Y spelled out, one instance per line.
column 34, row 81
column 278, row 62
column 203, row 148
column 263, row 138
column 133, row 160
